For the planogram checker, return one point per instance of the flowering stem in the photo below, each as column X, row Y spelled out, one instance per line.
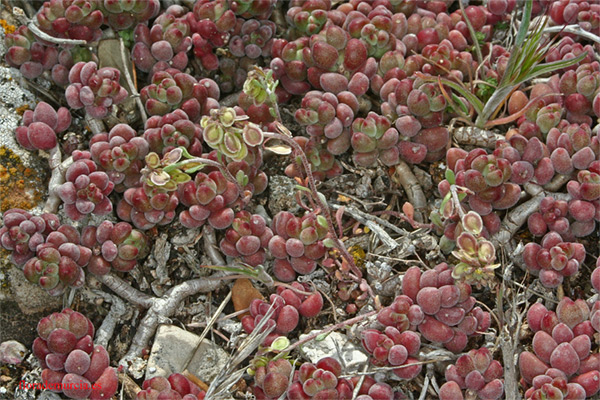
column 315, row 194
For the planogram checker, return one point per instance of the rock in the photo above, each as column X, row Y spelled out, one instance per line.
column 173, row 346
column 31, row 298
column 282, row 195
column 12, row 352
column 349, row 354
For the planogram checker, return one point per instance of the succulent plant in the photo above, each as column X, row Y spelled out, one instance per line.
column 71, row 19
column 487, row 176
column 71, row 364
column 567, row 48
column 572, row 147
column 174, row 386
column 586, row 15
column 67, row 58
column 272, row 380
column 320, row 381
column 552, row 216
column 393, row 348
column 113, row 245
column 58, row 261
column 96, row 90
column 209, row 197
column 553, row 259
column 289, row 305
column 449, row 317
column 551, row 387
column 476, row 371
column 252, row 38
column 247, row 238
column 211, row 22
column 171, row 90
column 23, row 232
column 579, row 88
column 41, row 125
column 86, row 189
column 308, row 17
column 373, row 139
column 327, row 118
column 156, row 200
column 120, row 153
column 164, row 133
column 165, row 44
column 28, row 54
column 323, row 163
column 297, row 244
column 124, row 15
column 561, row 344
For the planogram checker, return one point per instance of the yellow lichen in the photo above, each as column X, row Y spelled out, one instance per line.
column 8, row 28
column 20, row 110
column 19, row 186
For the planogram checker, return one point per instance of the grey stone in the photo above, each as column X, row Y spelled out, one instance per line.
column 172, row 348
column 30, row 298
column 335, row 345
column 282, row 191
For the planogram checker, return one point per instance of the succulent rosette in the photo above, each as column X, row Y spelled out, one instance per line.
column 561, row 348
column 122, row 15
column 23, row 232
column 71, row 19
column 58, row 261
column 28, row 54
column 174, row 386
column 41, row 125
column 165, row 44
column 116, row 246
column 478, row 373
column 96, row 90
column 171, row 89
column 72, row 365
column 120, row 153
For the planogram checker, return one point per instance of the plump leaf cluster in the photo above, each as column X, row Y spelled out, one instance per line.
column 476, row 372
column 175, row 386
column 41, row 125
column 71, row 364
column 449, row 315
column 96, row 90
column 288, row 306
column 297, row 244
column 561, row 345
column 247, row 238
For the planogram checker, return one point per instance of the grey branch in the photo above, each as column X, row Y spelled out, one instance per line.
column 473, row 136
column 518, row 216
column 56, row 179
column 574, row 29
column 413, row 190
column 132, row 88
column 44, row 36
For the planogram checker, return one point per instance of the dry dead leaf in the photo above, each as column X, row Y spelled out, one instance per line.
column 243, row 292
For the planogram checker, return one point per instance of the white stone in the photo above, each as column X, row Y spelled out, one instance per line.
column 172, row 348
column 349, row 355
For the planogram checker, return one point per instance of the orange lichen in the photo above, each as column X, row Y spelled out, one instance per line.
column 19, row 185
column 21, row 109
column 8, row 28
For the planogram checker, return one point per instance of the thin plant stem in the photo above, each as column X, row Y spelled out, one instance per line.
column 317, row 198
